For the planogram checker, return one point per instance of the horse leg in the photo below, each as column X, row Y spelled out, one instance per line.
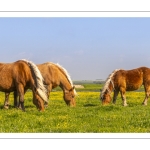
column 15, row 99
column 21, row 96
column 49, row 88
column 116, row 92
column 147, row 94
column 122, row 91
column 146, row 98
column 19, row 104
column 6, row 102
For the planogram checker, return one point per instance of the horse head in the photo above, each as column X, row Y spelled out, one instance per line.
column 69, row 96
column 108, row 88
column 105, row 97
column 38, row 102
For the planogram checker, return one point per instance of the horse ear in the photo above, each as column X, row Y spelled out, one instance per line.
column 72, row 88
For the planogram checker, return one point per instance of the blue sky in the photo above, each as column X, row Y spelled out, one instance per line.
column 89, row 48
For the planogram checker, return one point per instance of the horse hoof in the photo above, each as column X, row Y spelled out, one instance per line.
column 45, row 106
column 125, row 105
column 41, row 110
column 15, row 107
column 144, row 104
column 6, row 107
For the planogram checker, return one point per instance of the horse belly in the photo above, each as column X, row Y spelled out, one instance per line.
column 132, row 86
column 6, row 86
column 134, row 80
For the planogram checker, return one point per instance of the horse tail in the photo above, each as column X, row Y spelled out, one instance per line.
column 41, row 89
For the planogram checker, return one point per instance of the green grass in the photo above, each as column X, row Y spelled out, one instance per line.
column 89, row 116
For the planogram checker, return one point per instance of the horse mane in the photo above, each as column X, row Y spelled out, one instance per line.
column 41, row 89
column 107, row 82
column 65, row 72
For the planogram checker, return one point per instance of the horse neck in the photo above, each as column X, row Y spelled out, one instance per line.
column 110, row 81
column 111, row 86
column 108, row 87
column 65, row 84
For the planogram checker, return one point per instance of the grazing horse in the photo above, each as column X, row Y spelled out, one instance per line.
column 126, row 80
column 54, row 75
column 19, row 75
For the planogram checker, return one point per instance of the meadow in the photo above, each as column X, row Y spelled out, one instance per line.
column 89, row 116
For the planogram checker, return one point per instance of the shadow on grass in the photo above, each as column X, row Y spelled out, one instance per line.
column 13, row 107
column 89, row 105
column 111, row 108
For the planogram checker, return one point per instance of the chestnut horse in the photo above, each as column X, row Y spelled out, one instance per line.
column 54, row 75
column 19, row 75
column 126, row 80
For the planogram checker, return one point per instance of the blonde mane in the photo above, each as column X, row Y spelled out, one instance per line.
column 107, row 82
column 41, row 89
column 65, row 72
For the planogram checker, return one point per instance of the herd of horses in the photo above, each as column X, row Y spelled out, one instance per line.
column 22, row 75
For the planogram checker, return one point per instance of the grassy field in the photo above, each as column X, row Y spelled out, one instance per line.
column 89, row 116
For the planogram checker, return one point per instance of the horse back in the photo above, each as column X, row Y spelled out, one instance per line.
column 130, row 80
column 13, row 73
column 50, row 74
column 6, row 77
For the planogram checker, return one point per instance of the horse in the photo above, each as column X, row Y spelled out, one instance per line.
column 54, row 75
column 20, row 75
column 125, row 80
